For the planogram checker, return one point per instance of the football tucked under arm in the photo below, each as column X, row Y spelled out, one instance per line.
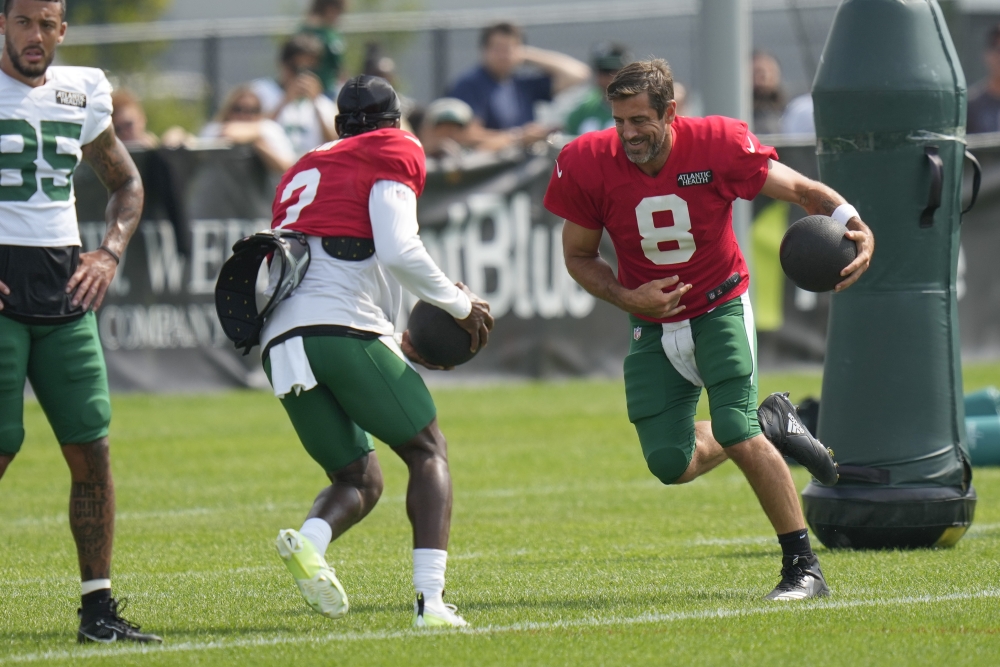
column 393, row 210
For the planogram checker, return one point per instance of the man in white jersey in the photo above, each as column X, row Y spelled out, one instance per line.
column 50, row 119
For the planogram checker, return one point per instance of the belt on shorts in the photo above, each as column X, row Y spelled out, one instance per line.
column 337, row 330
column 723, row 289
column 348, row 248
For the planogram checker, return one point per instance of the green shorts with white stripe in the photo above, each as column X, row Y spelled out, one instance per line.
column 665, row 370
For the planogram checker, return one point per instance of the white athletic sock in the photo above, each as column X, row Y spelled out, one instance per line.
column 319, row 533
column 428, row 575
column 88, row 587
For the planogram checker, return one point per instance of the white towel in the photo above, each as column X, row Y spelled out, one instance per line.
column 678, row 344
column 290, row 369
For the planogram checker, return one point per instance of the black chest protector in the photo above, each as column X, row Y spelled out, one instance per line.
column 236, row 290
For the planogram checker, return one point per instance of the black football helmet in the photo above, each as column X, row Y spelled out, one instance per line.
column 363, row 102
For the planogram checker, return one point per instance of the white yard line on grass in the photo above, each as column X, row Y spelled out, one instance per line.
column 387, row 635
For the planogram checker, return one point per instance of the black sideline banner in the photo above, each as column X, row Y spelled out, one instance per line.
column 484, row 223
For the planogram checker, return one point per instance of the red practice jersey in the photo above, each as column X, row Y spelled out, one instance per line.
column 326, row 192
column 679, row 223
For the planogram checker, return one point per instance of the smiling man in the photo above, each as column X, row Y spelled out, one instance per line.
column 663, row 187
column 50, row 118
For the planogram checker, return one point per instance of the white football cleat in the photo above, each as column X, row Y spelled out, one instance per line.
column 435, row 616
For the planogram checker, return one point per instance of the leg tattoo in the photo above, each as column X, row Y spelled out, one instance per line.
column 92, row 507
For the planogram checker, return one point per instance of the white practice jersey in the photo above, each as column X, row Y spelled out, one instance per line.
column 42, row 133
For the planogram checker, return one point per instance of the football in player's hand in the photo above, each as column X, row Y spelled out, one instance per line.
column 814, row 251
column 437, row 337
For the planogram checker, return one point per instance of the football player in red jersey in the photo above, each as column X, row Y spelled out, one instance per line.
column 663, row 186
column 330, row 351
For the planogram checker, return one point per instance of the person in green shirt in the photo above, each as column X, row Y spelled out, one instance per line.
column 594, row 112
column 321, row 22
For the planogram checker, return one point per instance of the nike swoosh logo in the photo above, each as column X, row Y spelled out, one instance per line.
column 750, row 146
column 558, row 170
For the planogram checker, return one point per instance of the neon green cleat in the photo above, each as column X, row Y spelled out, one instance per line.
column 316, row 580
column 444, row 617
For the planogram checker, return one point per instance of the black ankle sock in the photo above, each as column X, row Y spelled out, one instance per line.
column 795, row 543
column 95, row 598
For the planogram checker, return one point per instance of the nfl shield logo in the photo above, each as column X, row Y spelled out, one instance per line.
column 637, row 333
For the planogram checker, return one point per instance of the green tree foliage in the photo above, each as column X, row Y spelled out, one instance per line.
column 392, row 44
column 115, row 11
column 117, row 58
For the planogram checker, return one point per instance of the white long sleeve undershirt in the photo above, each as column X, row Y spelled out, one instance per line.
column 367, row 295
column 392, row 207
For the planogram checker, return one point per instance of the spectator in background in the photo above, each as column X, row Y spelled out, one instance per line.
column 295, row 100
column 594, row 112
column 321, row 23
column 798, row 116
column 241, row 120
column 381, row 65
column 129, row 120
column 984, row 97
column 768, row 97
column 501, row 95
column 449, row 128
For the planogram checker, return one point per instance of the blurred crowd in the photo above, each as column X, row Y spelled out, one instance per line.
column 514, row 96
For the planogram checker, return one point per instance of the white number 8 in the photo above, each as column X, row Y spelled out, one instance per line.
column 653, row 236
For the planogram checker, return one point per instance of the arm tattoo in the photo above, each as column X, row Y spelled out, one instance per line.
column 114, row 166
column 819, row 199
column 827, row 205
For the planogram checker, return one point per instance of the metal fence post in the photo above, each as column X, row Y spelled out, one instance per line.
column 439, row 53
column 213, row 72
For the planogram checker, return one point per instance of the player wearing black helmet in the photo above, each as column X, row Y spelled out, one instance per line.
column 367, row 103
column 331, row 353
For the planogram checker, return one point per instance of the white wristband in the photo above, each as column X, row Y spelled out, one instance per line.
column 844, row 213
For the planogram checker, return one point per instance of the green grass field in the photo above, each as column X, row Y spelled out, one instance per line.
column 565, row 550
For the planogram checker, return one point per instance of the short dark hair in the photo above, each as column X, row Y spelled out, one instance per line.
column 993, row 37
column 502, row 28
column 645, row 76
column 301, row 45
column 321, row 6
column 8, row 3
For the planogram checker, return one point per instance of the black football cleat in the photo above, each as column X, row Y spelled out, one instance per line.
column 801, row 579
column 102, row 624
column 782, row 426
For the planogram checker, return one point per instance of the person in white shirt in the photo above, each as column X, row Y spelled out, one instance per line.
column 51, row 118
column 295, row 100
column 241, row 120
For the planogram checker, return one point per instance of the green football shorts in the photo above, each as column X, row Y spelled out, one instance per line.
column 364, row 387
column 662, row 402
column 66, row 367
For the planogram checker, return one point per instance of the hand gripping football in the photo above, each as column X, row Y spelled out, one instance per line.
column 814, row 251
column 437, row 337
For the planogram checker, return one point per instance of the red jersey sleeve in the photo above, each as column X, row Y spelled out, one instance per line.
column 401, row 158
column 569, row 195
column 745, row 162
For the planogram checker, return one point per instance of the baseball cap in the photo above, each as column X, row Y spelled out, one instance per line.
column 609, row 57
column 448, row 110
